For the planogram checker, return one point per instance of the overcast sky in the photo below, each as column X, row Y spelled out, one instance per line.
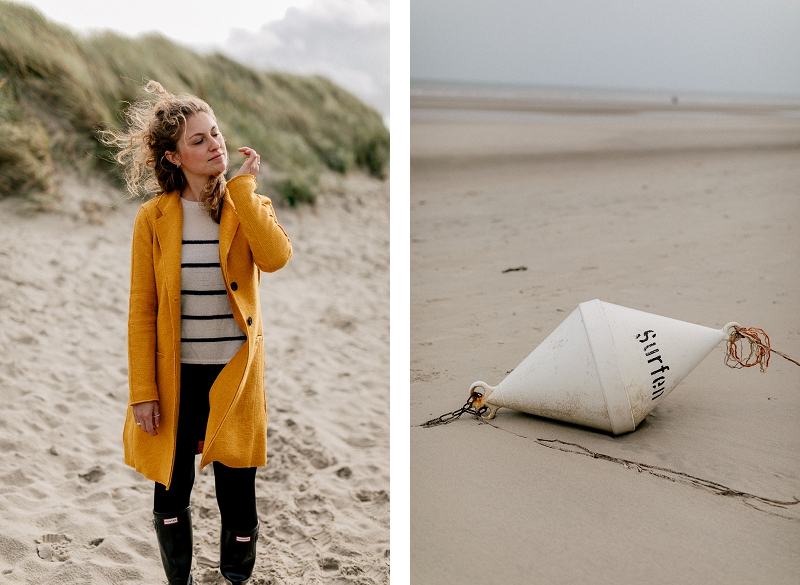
column 345, row 40
column 710, row 46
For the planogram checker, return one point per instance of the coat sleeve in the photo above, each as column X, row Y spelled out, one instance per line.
column 269, row 244
column 142, row 314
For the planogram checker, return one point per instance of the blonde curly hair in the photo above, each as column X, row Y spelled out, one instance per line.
column 154, row 126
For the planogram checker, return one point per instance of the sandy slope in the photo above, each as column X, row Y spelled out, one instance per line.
column 72, row 512
column 695, row 218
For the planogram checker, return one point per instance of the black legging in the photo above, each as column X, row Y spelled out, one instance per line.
column 235, row 487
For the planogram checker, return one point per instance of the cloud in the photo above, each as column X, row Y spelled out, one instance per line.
column 715, row 46
column 344, row 40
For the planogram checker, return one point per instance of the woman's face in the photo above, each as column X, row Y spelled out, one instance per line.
column 201, row 150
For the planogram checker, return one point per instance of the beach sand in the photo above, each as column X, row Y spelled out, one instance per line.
column 70, row 510
column 690, row 214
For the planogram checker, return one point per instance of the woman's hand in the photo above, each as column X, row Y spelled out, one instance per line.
column 147, row 415
column 250, row 166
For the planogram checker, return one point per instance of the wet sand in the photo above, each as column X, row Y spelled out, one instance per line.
column 692, row 215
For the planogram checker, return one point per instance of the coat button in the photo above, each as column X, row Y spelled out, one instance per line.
column 234, row 286
column 249, row 320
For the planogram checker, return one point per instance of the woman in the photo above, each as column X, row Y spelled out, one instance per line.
column 195, row 348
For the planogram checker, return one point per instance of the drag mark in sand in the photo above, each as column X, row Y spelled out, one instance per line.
column 770, row 506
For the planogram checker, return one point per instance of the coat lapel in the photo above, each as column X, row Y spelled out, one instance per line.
column 169, row 231
column 229, row 223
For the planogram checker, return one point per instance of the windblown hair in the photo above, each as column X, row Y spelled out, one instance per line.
column 155, row 125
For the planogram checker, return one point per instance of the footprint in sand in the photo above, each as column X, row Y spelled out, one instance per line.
column 375, row 503
column 94, row 475
column 379, row 497
column 314, row 509
column 53, row 547
column 329, row 565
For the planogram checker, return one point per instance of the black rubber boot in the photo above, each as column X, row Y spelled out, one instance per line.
column 237, row 554
column 174, row 533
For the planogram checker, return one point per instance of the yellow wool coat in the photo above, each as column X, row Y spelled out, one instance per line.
column 250, row 241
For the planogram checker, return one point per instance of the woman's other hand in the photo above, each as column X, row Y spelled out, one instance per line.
column 251, row 165
column 147, row 415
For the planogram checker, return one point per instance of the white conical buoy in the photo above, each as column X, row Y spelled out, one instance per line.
column 604, row 367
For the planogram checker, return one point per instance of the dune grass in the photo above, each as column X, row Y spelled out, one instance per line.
column 57, row 89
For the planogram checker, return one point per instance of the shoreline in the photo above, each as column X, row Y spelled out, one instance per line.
column 588, row 101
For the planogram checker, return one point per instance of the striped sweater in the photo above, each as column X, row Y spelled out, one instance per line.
column 209, row 333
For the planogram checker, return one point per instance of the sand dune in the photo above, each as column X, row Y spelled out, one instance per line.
column 691, row 217
column 72, row 512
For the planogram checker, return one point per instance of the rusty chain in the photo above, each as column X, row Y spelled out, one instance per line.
column 451, row 416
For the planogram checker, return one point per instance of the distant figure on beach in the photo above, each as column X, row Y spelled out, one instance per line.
column 674, row 100
column 195, row 347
